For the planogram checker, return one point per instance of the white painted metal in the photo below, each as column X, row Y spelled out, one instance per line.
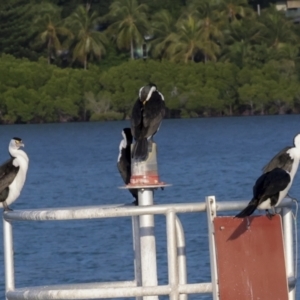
column 137, row 252
column 211, row 214
column 8, row 256
column 130, row 289
column 181, row 256
column 63, row 292
column 148, row 244
column 111, row 211
column 172, row 255
column 287, row 220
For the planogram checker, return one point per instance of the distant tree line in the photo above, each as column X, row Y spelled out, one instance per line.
column 74, row 60
column 36, row 92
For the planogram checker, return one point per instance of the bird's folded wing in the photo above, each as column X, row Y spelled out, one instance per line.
column 280, row 160
column 124, row 169
column 8, row 173
column 154, row 116
column 272, row 182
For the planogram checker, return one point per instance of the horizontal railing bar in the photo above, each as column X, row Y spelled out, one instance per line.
column 95, row 212
column 109, row 211
column 74, row 292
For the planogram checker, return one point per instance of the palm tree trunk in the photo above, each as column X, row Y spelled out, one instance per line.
column 85, row 62
column 131, row 49
column 49, row 51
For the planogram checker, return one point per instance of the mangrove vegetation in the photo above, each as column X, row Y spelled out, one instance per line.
column 74, row 60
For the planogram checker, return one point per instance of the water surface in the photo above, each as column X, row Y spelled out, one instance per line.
column 75, row 165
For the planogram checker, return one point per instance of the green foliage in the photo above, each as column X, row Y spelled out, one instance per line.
column 129, row 24
column 213, row 58
column 89, row 42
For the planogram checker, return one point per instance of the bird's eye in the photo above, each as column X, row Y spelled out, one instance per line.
column 17, row 142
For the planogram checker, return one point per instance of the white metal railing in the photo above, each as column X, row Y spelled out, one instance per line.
column 177, row 287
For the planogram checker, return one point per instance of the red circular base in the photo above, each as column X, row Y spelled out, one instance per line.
column 144, row 179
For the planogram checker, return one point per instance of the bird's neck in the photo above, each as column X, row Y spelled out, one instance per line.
column 295, row 155
column 18, row 153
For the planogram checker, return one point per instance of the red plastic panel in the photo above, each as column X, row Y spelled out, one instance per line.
column 250, row 258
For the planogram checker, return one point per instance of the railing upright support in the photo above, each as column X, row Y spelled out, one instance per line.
column 8, row 256
column 287, row 219
column 172, row 256
column 181, row 256
column 137, row 252
column 211, row 214
column 148, row 244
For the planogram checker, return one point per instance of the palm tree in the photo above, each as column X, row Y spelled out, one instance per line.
column 278, row 30
column 89, row 41
column 129, row 24
column 234, row 10
column 163, row 25
column 211, row 34
column 51, row 31
column 186, row 42
column 241, row 38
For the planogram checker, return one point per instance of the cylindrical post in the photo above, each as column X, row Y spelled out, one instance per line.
column 287, row 216
column 137, row 252
column 8, row 256
column 172, row 256
column 181, row 256
column 148, row 245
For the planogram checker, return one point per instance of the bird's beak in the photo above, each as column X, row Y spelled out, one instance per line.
column 22, row 145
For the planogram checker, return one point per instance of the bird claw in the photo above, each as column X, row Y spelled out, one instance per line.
column 269, row 215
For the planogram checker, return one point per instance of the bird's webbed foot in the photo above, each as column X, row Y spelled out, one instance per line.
column 6, row 207
column 269, row 214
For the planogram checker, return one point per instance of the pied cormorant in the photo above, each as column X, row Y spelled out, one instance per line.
column 13, row 173
column 124, row 161
column 273, row 185
column 147, row 114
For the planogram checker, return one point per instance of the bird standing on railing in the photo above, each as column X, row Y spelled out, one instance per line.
column 273, row 185
column 13, row 173
column 124, row 161
column 147, row 114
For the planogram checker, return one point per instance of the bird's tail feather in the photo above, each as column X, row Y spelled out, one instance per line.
column 249, row 210
column 140, row 149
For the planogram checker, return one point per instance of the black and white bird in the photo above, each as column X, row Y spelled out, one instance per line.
column 277, row 178
column 147, row 114
column 13, row 173
column 124, row 161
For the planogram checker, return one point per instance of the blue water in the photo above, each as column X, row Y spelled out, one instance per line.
column 75, row 165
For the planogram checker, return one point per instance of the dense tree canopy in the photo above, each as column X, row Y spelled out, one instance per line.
column 75, row 60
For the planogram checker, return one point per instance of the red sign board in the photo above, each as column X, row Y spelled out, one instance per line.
column 250, row 258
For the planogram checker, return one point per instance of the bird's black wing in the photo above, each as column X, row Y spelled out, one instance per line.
column 271, row 183
column 124, row 168
column 153, row 113
column 8, row 173
column 281, row 160
column 136, row 118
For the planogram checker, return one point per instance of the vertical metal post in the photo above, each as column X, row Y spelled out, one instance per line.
column 172, row 256
column 8, row 256
column 211, row 214
column 148, row 245
column 137, row 252
column 181, row 256
column 287, row 219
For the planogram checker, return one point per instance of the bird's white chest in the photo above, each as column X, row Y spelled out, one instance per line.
column 16, row 186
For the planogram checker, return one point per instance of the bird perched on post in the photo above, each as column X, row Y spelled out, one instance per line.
column 124, row 161
column 13, row 173
column 273, row 185
column 147, row 114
